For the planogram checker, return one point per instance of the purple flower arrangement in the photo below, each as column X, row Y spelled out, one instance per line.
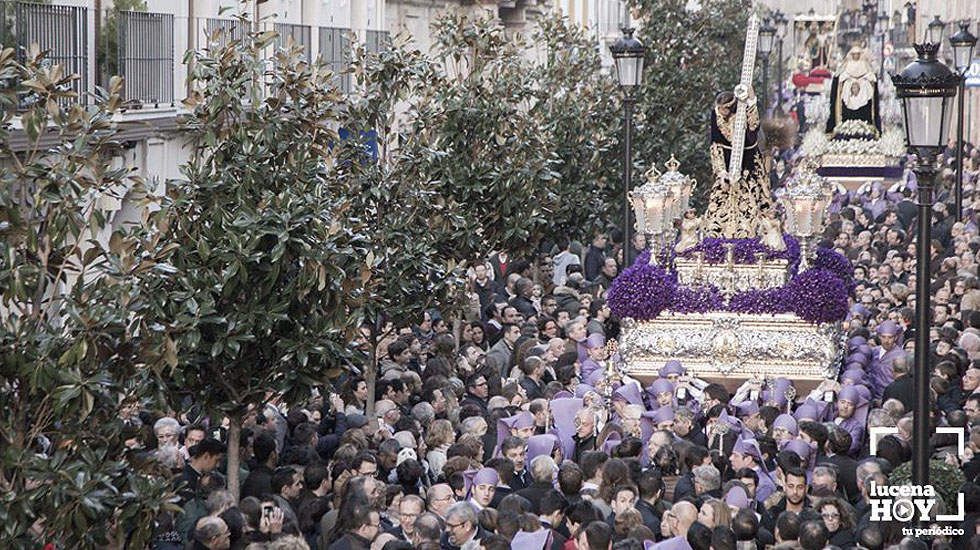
column 818, row 295
column 770, row 300
column 745, row 250
column 837, row 264
column 642, row 290
column 697, row 299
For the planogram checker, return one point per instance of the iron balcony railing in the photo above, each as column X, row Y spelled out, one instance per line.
column 61, row 31
column 146, row 57
column 300, row 35
column 336, row 53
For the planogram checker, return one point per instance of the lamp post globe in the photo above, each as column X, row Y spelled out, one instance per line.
column 935, row 30
column 782, row 23
column 963, row 43
column 628, row 53
column 925, row 88
column 767, row 35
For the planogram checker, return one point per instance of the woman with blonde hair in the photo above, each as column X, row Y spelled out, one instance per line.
column 438, row 438
column 715, row 513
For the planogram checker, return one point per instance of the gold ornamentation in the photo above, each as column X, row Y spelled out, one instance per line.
column 734, row 278
column 732, row 347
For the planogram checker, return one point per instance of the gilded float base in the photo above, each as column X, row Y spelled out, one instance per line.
column 855, row 160
column 730, row 348
column 731, row 279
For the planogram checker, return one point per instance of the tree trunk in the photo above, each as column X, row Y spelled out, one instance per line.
column 234, row 457
column 370, row 378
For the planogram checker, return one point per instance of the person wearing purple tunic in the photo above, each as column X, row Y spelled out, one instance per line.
column 480, row 486
column 746, row 454
column 661, row 393
column 880, row 373
column 521, row 425
column 545, row 444
column 803, row 450
column 627, row 394
column 672, row 370
column 538, row 540
column 784, row 428
column 595, row 346
column 852, row 413
column 563, row 417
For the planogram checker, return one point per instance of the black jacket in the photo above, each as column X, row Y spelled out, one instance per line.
column 846, row 475
column 258, row 482
column 534, row 493
column 901, row 389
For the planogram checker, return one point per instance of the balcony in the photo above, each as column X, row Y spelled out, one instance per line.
column 147, row 48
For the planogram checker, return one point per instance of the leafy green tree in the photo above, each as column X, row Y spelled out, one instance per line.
column 484, row 149
column 267, row 266
column 578, row 112
column 413, row 227
column 691, row 56
column 71, row 344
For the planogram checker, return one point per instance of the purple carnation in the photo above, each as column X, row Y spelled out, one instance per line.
column 792, row 253
column 745, row 251
column 837, row 264
column 770, row 300
column 701, row 299
column 818, row 296
column 642, row 291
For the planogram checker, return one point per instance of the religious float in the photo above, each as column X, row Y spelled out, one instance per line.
column 732, row 297
column 851, row 126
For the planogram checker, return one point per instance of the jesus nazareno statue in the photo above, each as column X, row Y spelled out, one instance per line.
column 737, row 206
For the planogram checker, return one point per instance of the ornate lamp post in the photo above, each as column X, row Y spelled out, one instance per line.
column 963, row 43
column 935, row 30
column 883, row 21
column 766, row 35
column 805, row 203
column 925, row 88
column 628, row 52
column 654, row 206
column 782, row 23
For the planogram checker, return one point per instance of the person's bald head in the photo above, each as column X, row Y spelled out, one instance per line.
column 440, row 498
column 686, row 514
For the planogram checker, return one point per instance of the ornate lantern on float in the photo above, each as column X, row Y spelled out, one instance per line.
column 805, row 203
column 653, row 206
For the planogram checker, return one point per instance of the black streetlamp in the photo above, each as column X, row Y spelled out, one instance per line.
column 935, row 30
column 963, row 43
column 627, row 53
column 926, row 88
column 883, row 21
column 782, row 22
column 766, row 35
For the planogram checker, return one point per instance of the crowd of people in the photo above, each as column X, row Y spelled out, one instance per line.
column 503, row 429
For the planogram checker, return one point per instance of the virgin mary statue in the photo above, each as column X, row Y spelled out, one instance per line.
column 854, row 93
